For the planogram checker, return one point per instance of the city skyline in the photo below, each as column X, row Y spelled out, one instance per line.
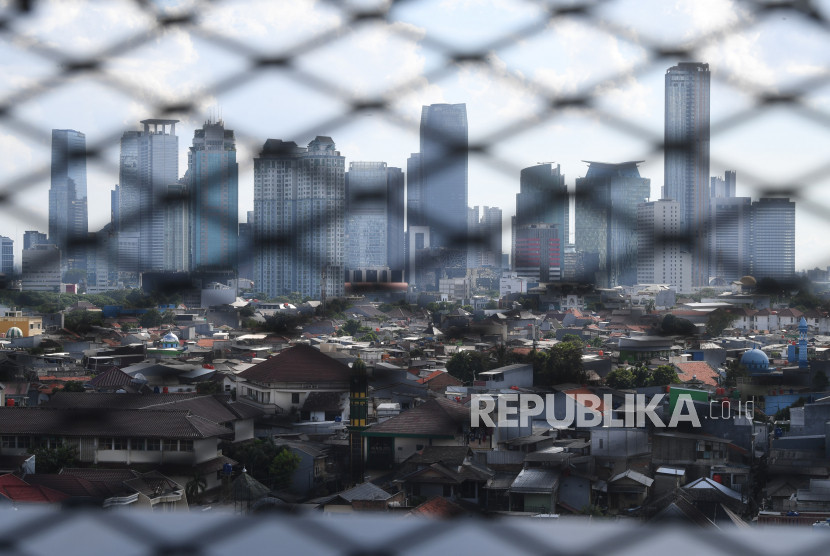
column 567, row 139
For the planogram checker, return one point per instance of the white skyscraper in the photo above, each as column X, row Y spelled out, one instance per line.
column 686, row 170
column 299, row 219
column 661, row 258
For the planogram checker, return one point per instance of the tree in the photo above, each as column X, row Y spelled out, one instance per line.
column 572, row 338
column 195, row 486
column 169, row 316
column 564, row 364
column 718, row 321
column 73, row 386
column 150, row 319
column 492, row 304
column 465, row 365
column 282, row 468
column 664, row 375
column 620, row 378
column 82, row 321
column 734, row 371
column 52, row 460
column 351, row 327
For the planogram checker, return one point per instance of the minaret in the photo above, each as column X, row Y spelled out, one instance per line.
column 802, row 343
column 358, row 413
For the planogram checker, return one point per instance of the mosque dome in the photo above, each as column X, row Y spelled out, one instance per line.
column 755, row 361
column 14, row 332
column 170, row 337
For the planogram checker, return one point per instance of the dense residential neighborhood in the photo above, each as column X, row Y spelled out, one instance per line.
column 420, row 409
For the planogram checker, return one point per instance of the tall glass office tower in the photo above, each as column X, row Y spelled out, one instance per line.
column 68, row 215
column 443, row 173
column 686, row 170
column 213, row 184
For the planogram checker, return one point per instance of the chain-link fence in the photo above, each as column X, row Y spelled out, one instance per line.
column 52, row 66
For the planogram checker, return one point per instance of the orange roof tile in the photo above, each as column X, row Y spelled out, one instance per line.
column 697, row 369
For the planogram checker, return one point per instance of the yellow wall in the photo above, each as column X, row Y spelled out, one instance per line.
column 30, row 326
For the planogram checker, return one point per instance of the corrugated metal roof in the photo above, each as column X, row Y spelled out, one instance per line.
column 535, row 480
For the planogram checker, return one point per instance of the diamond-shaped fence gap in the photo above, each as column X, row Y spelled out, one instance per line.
column 23, row 69
column 368, row 62
column 272, row 27
column 777, row 133
column 176, row 67
column 486, row 21
column 80, row 30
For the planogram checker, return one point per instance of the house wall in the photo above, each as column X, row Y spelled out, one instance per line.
column 302, row 481
column 619, row 443
column 243, row 429
column 405, row 447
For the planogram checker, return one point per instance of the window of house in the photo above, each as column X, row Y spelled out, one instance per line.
column 171, row 445
column 105, row 443
column 185, row 445
column 24, row 441
column 137, row 444
column 8, row 442
column 153, row 444
column 295, row 397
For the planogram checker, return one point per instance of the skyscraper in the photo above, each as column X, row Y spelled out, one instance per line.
column 212, row 182
column 661, row 258
column 606, row 219
column 723, row 187
column 299, row 218
column 366, row 215
column 729, row 237
column 32, row 238
column 414, row 192
column 6, row 255
column 149, row 165
column 443, row 173
column 538, row 252
column 484, row 229
column 542, row 199
column 686, row 170
column 395, row 211
column 68, row 217
column 772, row 238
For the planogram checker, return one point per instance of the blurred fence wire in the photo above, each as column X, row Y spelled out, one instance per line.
column 66, row 67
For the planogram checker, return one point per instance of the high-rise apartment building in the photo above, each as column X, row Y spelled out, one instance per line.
column 443, row 174
column 772, row 239
column 177, row 221
column 68, row 215
column 686, row 170
column 149, row 164
column 415, row 215
column 246, row 247
column 32, row 238
column 395, row 214
column 729, row 238
column 41, row 266
column 366, row 215
column 6, row 255
column 299, row 218
column 606, row 219
column 661, row 258
column 213, row 189
column 538, row 253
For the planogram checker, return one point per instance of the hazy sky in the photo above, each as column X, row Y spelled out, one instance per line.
column 607, row 56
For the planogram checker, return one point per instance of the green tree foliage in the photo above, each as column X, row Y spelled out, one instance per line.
column 573, row 338
column 561, row 364
column 734, row 371
column 352, row 327
column 73, row 386
column 209, row 387
column 282, row 467
column 718, row 321
column 247, row 311
column 640, row 376
column 169, row 316
column 82, row 321
column 150, row 319
column 492, row 304
column 465, row 365
column 52, row 460
column 195, row 486
column 671, row 325
column 596, row 342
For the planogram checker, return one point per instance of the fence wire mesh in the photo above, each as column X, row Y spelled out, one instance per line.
column 64, row 66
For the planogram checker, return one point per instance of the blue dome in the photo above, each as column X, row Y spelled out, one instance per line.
column 170, row 337
column 755, row 361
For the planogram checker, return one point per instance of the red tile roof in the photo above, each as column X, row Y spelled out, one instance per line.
column 439, row 508
column 574, row 391
column 697, row 369
column 300, row 363
column 18, row 490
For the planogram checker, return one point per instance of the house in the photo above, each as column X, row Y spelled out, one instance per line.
column 311, row 469
column 437, row 381
column 282, row 383
column 520, row 375
column 534, row 490
column 446, row 471
column 628, row 489
column 698, row 371
column 438, row 507
column 438, row 422
column 17, row 491
column 696, row 453
column 361, row 498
